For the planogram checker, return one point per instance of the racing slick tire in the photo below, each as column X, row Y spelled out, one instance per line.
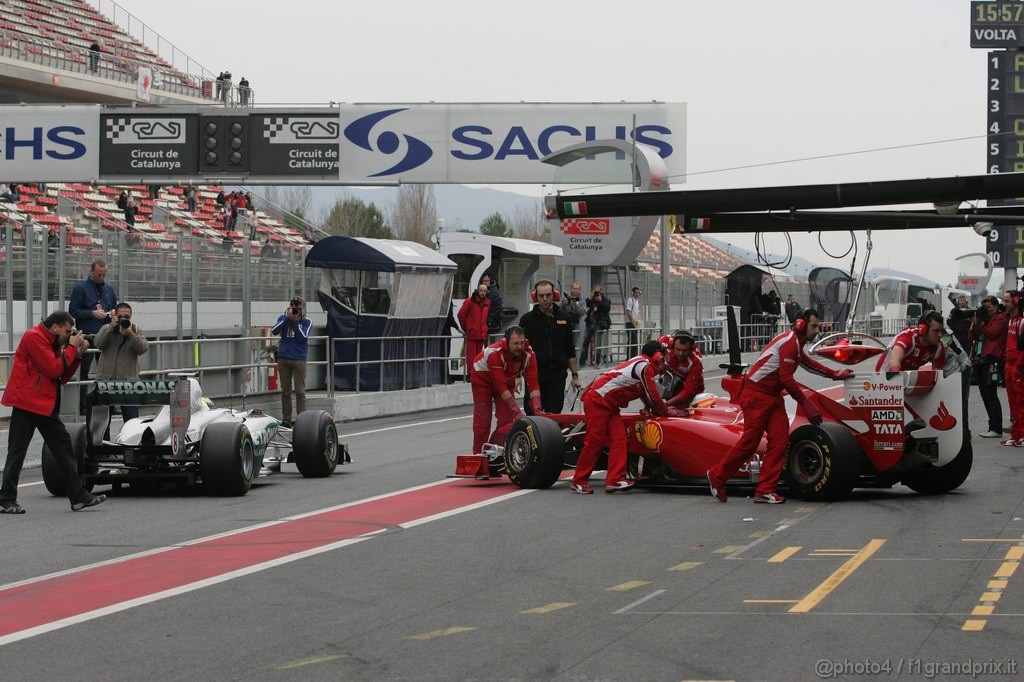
column 53, row 477
column 534, row 452
column 227, row 459
column 939, row 480
column 822, row 463
column 315, row 444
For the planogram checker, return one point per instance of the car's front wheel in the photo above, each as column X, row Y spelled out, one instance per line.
column 534, row 452
column 315, row 444
column 227, row 459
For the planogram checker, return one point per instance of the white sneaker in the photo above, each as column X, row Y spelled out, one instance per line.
column 991, row 434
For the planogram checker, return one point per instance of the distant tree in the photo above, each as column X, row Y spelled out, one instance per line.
column 530, row 223
column 413, row 216
column 495, row 226
column 351, row 217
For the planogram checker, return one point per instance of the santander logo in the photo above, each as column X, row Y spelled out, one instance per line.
column 942, row 420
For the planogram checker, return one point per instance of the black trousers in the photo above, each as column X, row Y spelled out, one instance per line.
column 552, row 391
column 83, row 375
column 55, row 435
column 987, row 387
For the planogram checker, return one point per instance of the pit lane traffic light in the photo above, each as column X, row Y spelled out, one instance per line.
column 224, row 144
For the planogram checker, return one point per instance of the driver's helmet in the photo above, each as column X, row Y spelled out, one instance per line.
column 195, row 395
column 704, row 400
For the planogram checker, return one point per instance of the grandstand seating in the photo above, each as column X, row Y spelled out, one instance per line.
column 690, row 256
column 63, row 30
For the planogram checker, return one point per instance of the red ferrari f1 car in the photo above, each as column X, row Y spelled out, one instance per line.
column 879, row 429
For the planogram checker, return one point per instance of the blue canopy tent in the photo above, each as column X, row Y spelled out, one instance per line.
column 395, row 292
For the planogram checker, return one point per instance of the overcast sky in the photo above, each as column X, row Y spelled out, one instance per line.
column 764, row 82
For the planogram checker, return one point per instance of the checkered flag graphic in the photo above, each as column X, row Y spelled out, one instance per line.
column 115, row 127
column 274, row 126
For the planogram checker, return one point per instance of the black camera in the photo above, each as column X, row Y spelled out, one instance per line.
column 87, row 337
column 296, row 311
column 124, row 322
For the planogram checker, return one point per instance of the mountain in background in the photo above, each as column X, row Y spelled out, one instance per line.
column 460, row 207
column 798, row 267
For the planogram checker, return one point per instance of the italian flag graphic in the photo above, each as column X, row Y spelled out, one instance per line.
column 700, row 223
column 575, row 208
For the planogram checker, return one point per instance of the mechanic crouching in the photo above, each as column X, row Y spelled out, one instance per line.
column 495, row 371
column 765, row 411
column 602, row 401
column 120, row 343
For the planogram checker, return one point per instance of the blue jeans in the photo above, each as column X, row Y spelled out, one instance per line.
column 595, row 333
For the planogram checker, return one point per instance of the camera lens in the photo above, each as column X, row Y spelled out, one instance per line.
column 124, row 322
column 296, row 311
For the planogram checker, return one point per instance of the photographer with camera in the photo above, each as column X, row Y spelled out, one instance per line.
column 120, row 344
column 47, row 357
column 598, row 319
column 293, row 327
column 989, row 330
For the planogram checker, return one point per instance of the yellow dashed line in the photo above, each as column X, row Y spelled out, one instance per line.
column 548, row 608
column 308, row 661
column 786, row 522
column 1015, row 554
column 974, row 625
column 760, row 533
column 998, row 584
column 1006, row 569
column 784, row 554
column 837, row 577
column 441, row 633
column 804, row 510
column 983, row 610
column 728, row 549
column 686, row 566
column 625, row 587
column 990, row 596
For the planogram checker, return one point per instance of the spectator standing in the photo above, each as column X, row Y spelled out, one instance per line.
column 633, row 321
column 220, row 86
column 495, row 372
column 226, row 84
column 243, row 92
column 494, row 315
column 191, row 196
column 94, row 56
column 598, row 320
column 549, row 332
column 473, row 320
column 120, row 344
column 293, row 327
column 1013, row 369
column 15, row 190
column 573, row 306
column 989, row 330
column 46, row 358
column 792, row 308
column 130, row 211
column 92, row 302
column 122, row 200
column 602, row 401
column 764, row 410
column 220, row 198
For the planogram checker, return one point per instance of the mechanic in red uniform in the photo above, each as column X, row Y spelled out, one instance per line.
column 494, row 379
column 602, row 401
column 685, row 368
column 473, row 320
column 1013, row 371
column 47, row 357
column 916, row 346
column 765, row 411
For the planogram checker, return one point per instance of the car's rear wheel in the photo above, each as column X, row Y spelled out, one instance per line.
column 534, row 452
column 821, row 462
column 53, row 476
column 227, row 459
column 315, row 444
column 939, row 480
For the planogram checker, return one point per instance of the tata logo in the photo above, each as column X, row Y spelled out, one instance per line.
column 60, row 142
column 415, row 152
column 480, row 142
column 586, row 226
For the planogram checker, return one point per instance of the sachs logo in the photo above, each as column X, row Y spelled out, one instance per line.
column 586, row 226
column 942, row 420
column 417, row 152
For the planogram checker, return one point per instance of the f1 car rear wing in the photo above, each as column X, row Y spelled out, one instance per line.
column 131, row 393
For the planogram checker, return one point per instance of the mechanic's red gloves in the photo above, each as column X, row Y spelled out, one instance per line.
column 514, row 408
column 843, row 374
column 678, row 412
column 535, row 406
column 812, row 412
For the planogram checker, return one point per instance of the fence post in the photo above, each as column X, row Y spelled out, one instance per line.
column 62, row 268
column 26, row 232
column 44, row 274
column 9, row 274
column 195, row 287
column 246, row 286
column 179, row 305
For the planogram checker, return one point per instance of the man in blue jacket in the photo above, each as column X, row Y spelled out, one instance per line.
column 92, row 302
column 293, row 327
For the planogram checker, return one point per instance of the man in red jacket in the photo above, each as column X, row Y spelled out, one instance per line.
column 41, row 364
column 765, row 411
column 1013, row 369
column 685, row 368
column 916, row 346
column 494, row 381
column 602, row 401
column 990, row 329
column 473, row 320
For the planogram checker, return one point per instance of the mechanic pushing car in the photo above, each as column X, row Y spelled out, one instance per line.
column 916, row 346
column 685, row 368
column 602, row 401
column 765, row 411
column 495, row 371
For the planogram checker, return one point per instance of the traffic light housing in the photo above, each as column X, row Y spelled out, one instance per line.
column 224, row 144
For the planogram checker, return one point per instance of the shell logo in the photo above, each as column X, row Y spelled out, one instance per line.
column 650, row 435
column 867, row 386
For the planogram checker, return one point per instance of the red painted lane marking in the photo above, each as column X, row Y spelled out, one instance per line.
column 31, row 608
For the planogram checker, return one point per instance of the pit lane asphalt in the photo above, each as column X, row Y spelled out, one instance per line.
column 653, row 585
